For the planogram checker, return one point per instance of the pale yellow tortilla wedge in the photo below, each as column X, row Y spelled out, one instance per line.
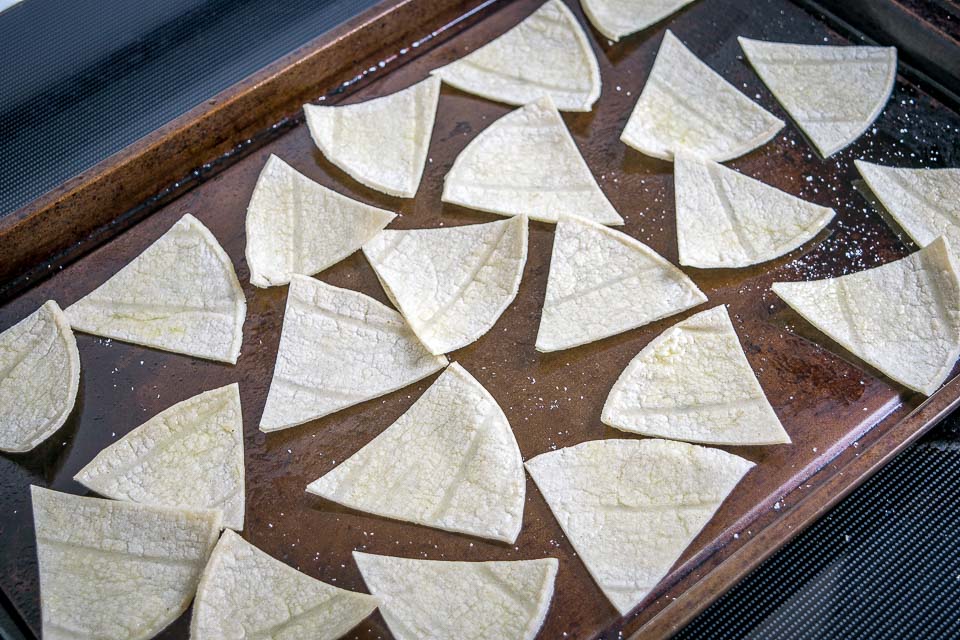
column 39, row 378
column 618, row 18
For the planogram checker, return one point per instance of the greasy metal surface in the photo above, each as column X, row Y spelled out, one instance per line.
column 827, row 402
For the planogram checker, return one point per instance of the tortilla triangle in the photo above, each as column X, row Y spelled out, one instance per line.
column 464, row 600
column 618, row 18
column 687, row 105
column 603, row 282
column 295, row 225
column 339, row 348
column 832, row 93
column 902, row 318
column 450, row 462
column 618, row 487
column 383, row 142
column 548, row 54
column 188, row 456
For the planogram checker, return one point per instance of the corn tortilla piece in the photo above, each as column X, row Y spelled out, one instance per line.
column 181, row 295
column 693, row 382
column 618, row 18
column 295, row 225
column 548, row 54
column 687, row 105
column 527, row 163
column 339, row 348
column 245, row 593
column 188, row 456
column 631, row 507
column 603, row 282
column 902, row 318
column 114, row 570
column 450, row 462
column 383, row 142
column 40, row 376
column 451, row 283
column 464, row 600
column 832, row 93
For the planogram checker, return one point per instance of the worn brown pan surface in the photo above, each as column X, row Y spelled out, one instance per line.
column 833, row 407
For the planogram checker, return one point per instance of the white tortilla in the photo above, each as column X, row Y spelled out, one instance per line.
column 603, row 282
column 693, row 382
column 295, row 225
column 548, row 54
column 924, row 202
column 618, row 18
column 116, row 570
column 631, row 507
column 245, row 593
column 462, row 600
column 383, row 142
column 902, row 318
column 188, row 456
column 832, row 93
column 451, row 283
column 727, row 220
column 450, row 462
column 527, row 163
column 181, row 295
column 339, row 348
column 687, row 105
column 39, row 377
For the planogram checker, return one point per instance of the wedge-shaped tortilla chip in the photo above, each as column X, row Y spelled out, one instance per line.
column 631, row 507
column 687, row 105
column 451, row 283
column 548, row 54
column 603, row 282
column 527, row 163
column 189, row 456
column 464, row 600
column 114, row 570
column 381, row 143
column 902, row 318
column 832, row 93
column 618, row 18
column 727, row 220
column 245, row 593
column 339, row 348
column 449, row 462
column 295, row 225
column 924, row 202
column 693, row 382
column 39, row 376
column 181, row 295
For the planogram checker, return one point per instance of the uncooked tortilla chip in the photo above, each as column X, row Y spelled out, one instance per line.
column 451, row 283
column 902, row 318
column 832, row 93
column 40, row 369
column 114, row 570
column 618, row 18
column 181, row 295
column 631, row 507
column 381, row 143
column 527, row 163
column 449, row 462
column 189, row 456
column 726, row 219
column 693, row 382
column 463, row 600
column 245, row 593
column 295, row 225
column 548, row 54
column 603, row 282
column 339, row 348
column 687, row 105
column 924, row 202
